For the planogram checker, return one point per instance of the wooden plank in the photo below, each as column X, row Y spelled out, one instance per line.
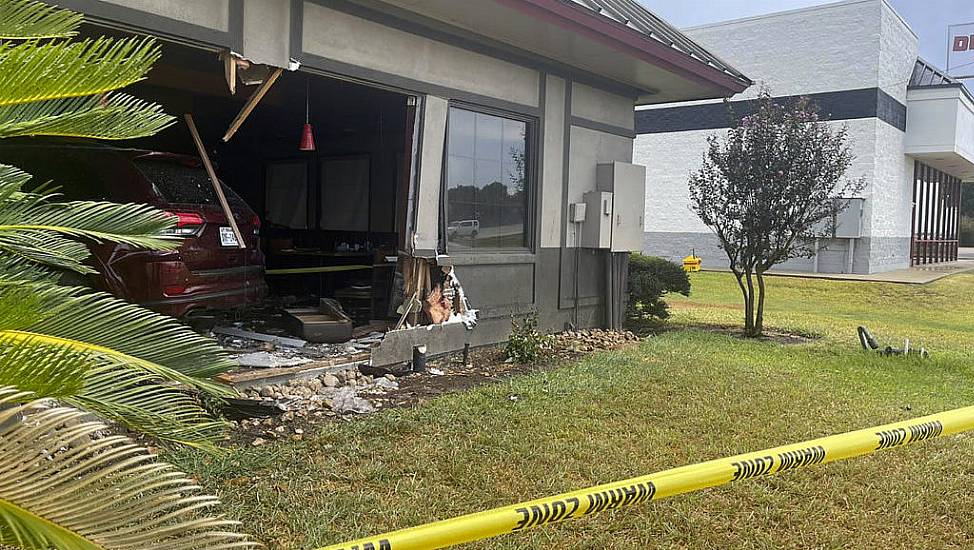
column 250, row 376
column 252, row 102
column 215, row 181
column 322, row 269
column 260, row 337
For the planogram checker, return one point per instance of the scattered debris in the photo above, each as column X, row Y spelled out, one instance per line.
column 269, row 360
column 346, row 400
column 250, row 335
column 286, row 409
column 869, row 343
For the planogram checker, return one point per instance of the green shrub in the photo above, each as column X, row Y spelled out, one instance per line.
column 650, row 278
column 526, row 342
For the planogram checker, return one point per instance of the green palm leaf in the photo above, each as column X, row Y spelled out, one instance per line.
column 28, row 19
column 131, row 397
column 34, row 230
column 43, row 249
column 98, row 323
column 140, row 402
column 115, row 116
column 60, row 488
column 57, row 70
column 46, row 371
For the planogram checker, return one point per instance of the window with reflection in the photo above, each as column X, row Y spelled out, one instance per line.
column 486, row 182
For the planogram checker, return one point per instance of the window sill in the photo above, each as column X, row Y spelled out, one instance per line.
column 492, row 258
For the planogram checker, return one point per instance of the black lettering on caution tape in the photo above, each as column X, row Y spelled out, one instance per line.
column 801, row 458
column 911, row 434
column 616, row 498
column 788, row 460
column 755, row 467
column 383, row 544
column 560, row 510
column 546, row 513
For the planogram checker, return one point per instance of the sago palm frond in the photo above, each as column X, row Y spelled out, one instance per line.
column 35, row 229
column 55, row 70
column 28, row 19
column 43, row 249
column 140, row 402
column 46, row 371
column 114, row 116
column 62, row 486
column 95, row 322
column 130, row 397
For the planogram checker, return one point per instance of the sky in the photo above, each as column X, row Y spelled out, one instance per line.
column 928, row 18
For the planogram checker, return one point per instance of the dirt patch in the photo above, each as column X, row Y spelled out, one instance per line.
column 782, row 337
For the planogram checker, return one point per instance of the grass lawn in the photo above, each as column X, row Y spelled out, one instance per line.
column 686, row 396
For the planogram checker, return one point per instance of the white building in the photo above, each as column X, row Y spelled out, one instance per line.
column 911, row 130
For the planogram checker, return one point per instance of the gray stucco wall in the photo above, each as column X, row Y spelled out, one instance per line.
column 579, row 125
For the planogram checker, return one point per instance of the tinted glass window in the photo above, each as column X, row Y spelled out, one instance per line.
column 75, row 174
column 181, row 184
column 487, row 195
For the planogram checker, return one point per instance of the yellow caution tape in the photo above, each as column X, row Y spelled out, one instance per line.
column 580, row 504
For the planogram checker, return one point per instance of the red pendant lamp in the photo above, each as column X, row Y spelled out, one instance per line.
column 307, row 132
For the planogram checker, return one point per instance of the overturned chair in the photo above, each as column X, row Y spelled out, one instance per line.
column 869, row 343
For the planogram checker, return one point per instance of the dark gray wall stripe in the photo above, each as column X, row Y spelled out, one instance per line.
column 566, row 164
column 297, row 30
column 150, row 23
column 414, row 23
column 844, row 105
column 602, row 127
column 339, row 69
column 236, row 25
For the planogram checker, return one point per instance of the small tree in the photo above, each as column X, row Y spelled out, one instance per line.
column 769, row 188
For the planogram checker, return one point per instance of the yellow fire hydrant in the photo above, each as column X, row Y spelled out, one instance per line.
column 692, row 263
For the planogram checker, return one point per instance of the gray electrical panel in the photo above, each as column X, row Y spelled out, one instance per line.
column 627, row 183
column 597, row 229
column 848, row 222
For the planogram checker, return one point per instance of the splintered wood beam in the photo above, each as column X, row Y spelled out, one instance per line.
column 252, row 102
column 215, row 181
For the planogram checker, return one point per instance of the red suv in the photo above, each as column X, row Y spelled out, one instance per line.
column 209, row 270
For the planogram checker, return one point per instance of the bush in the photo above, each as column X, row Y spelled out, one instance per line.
column 650, row 278
column 526, row 342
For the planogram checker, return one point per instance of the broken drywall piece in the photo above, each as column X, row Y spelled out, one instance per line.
column 266, row 360
column 346, row 400
column 462, row 313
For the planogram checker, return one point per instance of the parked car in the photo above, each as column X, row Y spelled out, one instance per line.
column 208, row 271
column 463, row 228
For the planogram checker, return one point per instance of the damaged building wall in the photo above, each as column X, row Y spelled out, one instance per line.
column 574, row 126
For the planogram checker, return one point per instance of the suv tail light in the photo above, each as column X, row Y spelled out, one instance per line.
column 256, row 223
column 188, row 224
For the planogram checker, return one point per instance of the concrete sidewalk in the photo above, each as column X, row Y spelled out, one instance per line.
column 917, row 275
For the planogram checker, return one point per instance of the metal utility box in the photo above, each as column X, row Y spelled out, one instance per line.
column 627, row 183
column 597, row 229
column 848, row 222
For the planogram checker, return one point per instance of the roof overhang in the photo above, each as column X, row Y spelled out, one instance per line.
column 573, row 36
column 940, row 128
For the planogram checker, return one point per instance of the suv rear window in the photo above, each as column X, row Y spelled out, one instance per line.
column 181, row 184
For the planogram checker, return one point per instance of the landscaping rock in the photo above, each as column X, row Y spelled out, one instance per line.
column 347, row 401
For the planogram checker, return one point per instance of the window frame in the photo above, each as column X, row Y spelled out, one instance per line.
column 531, row 151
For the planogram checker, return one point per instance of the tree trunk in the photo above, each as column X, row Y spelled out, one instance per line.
column 749, row 307
column 759, row 316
